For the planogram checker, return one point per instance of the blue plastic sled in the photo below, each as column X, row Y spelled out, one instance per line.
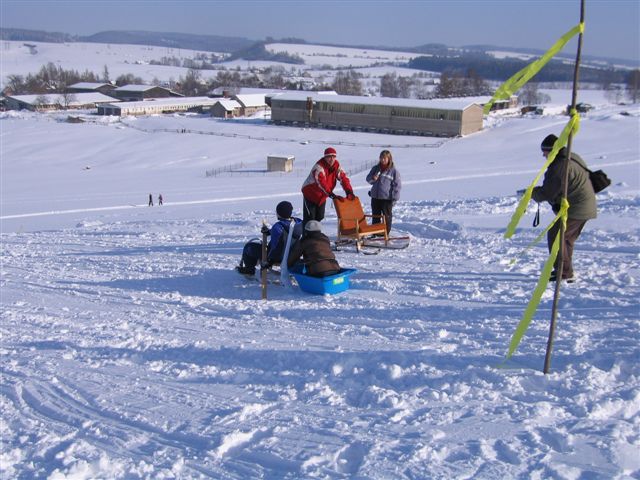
column 322, row 285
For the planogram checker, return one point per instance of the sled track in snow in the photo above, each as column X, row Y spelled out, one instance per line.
column 281, row 194
column 436, row 144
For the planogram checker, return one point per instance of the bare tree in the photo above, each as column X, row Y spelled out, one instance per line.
column 15, row 84
column 191, row 84
column 66, row 98
column 40, row 101
column 448, row 85
column 405, row 84
column 105, row 75
column 633, row 84
column 614, row 93
column 389, row 86
column 348, row 83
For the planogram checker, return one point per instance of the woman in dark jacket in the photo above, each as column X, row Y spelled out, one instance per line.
column 580, row 195
column 315, row 250
column 385, row 191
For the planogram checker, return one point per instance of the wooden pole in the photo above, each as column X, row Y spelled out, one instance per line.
column 263, row 269
column 565, row 186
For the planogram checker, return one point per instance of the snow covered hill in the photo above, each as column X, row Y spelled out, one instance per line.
column 131, row 349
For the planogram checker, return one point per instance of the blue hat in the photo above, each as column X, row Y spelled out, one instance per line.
column 284, row 209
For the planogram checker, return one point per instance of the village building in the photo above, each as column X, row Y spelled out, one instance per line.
column 155, row 106
column 226, row 108
column 82, row 87
column 251, row 103
column 230, row 92
column 133, row 93
column 57, row 101
column 439, row 117
column 242, row 105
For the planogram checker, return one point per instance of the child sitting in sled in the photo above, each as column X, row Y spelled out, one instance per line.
column 252, row 251
column 315, row 250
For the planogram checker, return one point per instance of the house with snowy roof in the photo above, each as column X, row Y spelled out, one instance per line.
column 156, row 106
column 133, row 93
column 82, row 87
column 251, row 103
column 226, row 108
column 57, row 101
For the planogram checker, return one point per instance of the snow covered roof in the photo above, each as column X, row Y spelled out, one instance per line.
column 169, row 101
column 439, row 103
column 228, row 104
column 243, row 90
column 137, row 88
column 76, row 99
column 90, row 85
column 251, row 100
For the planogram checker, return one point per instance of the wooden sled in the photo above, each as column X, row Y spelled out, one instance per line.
column 353, row 228
column 352, row 223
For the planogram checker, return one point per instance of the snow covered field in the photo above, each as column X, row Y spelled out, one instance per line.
column 18, row 59
column 131, row 349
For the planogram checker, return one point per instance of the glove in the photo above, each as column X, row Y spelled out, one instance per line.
column 350, row 195
column 265, row 229
column 265, row 265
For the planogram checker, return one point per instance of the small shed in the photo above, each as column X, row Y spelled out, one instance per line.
column 280, row 163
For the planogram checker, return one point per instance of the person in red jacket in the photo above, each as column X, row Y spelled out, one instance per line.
column 319, row 186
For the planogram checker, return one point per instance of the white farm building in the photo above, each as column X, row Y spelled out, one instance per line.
column 158, row 105
column 446, row 117
column 57, row 101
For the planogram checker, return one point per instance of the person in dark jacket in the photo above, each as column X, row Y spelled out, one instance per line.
column 319, row 186
column 385, row 191
column 252, row 251
column 580, row 195
column 315, row 250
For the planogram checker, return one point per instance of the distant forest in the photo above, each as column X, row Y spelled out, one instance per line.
column 491, row 68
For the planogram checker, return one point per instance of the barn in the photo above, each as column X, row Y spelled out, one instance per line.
column 82, row 87
column 133, row 93
column 448, row 117
column 226, row 108
column 57, row 101
column 158, row 106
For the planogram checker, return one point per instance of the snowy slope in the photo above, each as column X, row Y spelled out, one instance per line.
column 131, row 349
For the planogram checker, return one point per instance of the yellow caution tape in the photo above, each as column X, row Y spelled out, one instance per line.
column 517, row 81
column 542, row 283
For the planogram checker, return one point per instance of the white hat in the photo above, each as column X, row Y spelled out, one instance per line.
column 313, row 226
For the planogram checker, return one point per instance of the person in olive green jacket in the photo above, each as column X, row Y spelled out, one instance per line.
column 580, row 195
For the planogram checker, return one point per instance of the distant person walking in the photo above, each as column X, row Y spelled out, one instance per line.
column 150, row 200
column 385, row 190
column 580, row 195
column 160, row 199
column 319, row 186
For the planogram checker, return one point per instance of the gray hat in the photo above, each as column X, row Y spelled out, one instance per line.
column 313, row 226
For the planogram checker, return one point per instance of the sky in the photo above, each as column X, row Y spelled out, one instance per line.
column 612, row 26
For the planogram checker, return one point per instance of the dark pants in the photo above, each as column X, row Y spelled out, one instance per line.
column 382, row 207
column 311, row 211
column 571, row 234
column 252, row 254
